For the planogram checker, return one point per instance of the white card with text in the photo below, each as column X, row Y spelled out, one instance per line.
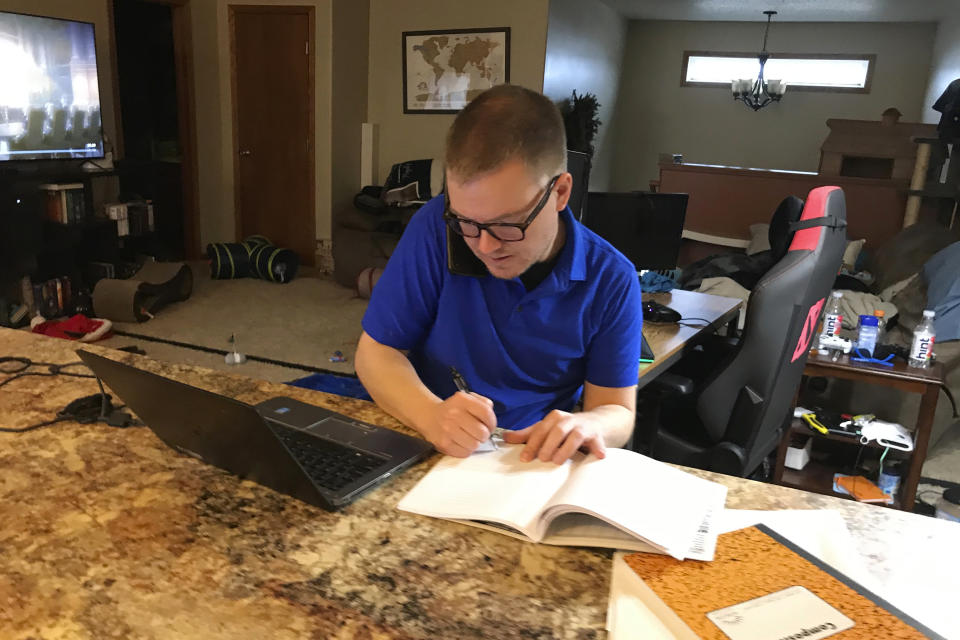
column 794, row 612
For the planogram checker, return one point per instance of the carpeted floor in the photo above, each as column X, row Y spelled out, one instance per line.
column 301, row 323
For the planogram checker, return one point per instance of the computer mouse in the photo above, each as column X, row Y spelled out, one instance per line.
column 659, row 314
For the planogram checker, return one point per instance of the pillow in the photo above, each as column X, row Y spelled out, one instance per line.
column 759, row 238
column 852, row 252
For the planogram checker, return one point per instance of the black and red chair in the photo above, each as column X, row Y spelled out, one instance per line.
column 731, row 419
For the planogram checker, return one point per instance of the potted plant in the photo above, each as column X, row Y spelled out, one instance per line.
column 580, row 121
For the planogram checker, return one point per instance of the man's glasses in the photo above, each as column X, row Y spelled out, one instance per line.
column 503, row 231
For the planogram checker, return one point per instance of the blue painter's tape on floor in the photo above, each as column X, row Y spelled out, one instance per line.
column 339, row 385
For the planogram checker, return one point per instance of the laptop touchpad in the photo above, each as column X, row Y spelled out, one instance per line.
column 340, row 431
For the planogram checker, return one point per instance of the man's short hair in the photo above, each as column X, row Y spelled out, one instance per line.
column 505, row 123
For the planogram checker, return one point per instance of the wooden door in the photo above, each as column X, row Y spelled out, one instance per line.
column 273, row 125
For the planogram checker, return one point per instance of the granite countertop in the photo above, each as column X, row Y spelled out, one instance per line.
column 107, row 533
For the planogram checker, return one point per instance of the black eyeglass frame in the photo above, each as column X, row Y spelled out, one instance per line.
column 454, row 221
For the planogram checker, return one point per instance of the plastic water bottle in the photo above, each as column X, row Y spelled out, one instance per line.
column 881, row 324
column 867, row 334
column 832, row 318
column 923, row 339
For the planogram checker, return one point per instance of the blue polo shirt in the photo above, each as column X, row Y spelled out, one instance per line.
column 528, row 351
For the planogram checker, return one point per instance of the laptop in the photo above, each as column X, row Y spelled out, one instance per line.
column 313, row 454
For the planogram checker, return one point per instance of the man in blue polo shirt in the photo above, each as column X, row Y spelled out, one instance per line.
column 495, row 282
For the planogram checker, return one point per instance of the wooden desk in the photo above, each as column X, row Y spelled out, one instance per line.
column 927, row 382
column 108, row 533
column 669, row 341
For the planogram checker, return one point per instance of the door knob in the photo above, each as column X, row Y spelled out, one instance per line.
column 244, row 152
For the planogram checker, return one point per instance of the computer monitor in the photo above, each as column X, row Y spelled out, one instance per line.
column 645, row 227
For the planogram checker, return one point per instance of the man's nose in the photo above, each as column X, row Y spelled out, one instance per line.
column 488, row 244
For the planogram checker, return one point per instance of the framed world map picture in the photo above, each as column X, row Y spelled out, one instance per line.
column 444, row 70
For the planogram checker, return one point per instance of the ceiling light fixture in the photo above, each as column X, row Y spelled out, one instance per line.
column 758, row 93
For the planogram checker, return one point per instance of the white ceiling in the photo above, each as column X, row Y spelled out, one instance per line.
column 789, row 10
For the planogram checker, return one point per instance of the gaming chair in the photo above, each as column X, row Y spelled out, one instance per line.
column 732, row 419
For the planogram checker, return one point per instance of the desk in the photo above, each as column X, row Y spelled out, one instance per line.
column 669, row 341
column 107, row 533
column 927, row 382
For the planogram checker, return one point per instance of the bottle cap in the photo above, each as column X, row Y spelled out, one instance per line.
column 869, row 321
column 928, row 313
column 879, row 313
column 836, row 294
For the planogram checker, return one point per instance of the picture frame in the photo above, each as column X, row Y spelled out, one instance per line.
column 444, row 69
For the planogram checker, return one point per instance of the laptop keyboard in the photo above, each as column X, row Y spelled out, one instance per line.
column 330, row 465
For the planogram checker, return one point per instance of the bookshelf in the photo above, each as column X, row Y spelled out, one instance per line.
column 57, row 230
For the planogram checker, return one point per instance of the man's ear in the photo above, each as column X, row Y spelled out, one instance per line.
column 564, row 188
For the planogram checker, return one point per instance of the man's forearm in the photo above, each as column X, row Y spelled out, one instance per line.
column 393, row 383
column 614, row 421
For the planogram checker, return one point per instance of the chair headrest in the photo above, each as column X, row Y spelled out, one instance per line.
column 788, row 211
column 824, row 208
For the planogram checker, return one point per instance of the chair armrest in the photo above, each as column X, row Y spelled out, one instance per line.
column 671, row 384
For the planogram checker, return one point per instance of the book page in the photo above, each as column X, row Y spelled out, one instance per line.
column 495, row 486
column 652, row 500
column 583, row 530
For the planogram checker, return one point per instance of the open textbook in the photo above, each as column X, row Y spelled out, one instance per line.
column 624, row 501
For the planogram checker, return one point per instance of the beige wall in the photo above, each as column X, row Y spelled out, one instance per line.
column 94, row 11
column 351, row 50
column 585, row 43
column 412, row 136
column 211, row 35
column 655, row 114
column 945, row 67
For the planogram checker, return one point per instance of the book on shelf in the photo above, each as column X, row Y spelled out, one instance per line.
column 51, row 298
column 623, row 501
column 861, row 488
column 64, row 203
column 760, row 585
column 132, row 218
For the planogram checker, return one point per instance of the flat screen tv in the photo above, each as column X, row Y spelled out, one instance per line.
column 49, row 93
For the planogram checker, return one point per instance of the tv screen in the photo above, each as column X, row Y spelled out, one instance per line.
column 49, row 94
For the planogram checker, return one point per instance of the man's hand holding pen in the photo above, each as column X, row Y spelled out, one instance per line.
column 461, row 423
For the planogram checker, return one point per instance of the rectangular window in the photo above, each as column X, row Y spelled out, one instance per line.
column 811, row 72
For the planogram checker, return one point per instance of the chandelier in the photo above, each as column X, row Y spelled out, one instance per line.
column 758, row 93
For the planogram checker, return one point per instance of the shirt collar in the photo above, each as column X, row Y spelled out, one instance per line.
column 575, row 262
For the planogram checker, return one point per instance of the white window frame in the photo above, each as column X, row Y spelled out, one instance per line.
column 869, row 57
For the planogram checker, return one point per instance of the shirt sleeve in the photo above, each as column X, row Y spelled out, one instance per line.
column 614, row 353
column 403, row 305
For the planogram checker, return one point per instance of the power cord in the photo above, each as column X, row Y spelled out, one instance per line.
column 683, row 322
column 85, row 410
column 18, row 367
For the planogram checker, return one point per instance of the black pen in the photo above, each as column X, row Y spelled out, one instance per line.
column 461, row 383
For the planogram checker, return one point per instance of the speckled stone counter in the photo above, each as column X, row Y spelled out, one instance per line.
column 107, row 533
